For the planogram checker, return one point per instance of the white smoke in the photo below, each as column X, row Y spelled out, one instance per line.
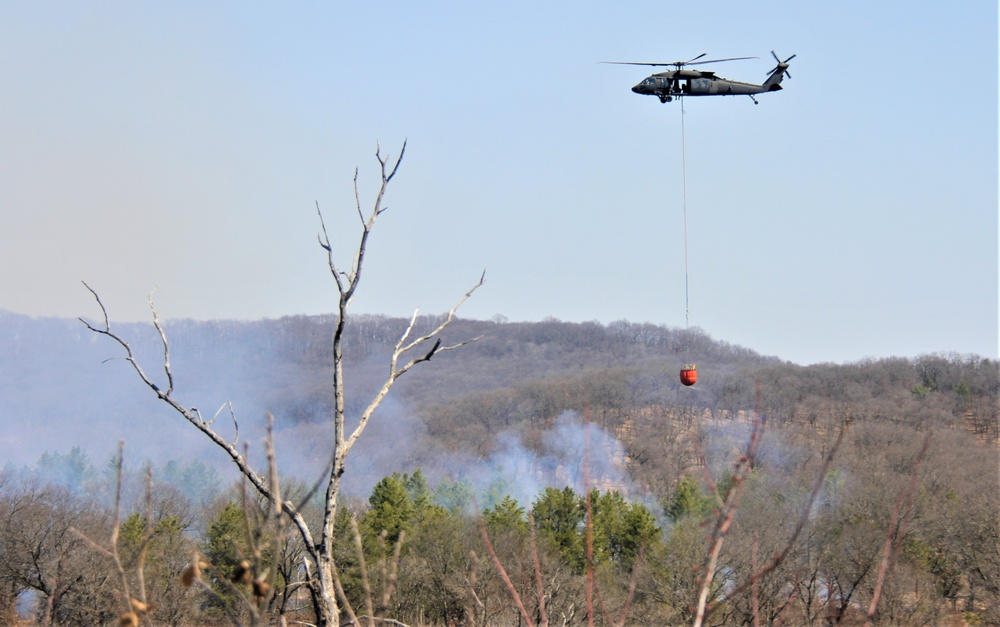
column 572, row 453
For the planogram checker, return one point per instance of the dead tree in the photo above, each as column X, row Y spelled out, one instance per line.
column 409, row 351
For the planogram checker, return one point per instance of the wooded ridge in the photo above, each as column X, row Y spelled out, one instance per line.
column 876, row 479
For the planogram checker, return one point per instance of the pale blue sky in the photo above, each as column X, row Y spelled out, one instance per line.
column 183, row 145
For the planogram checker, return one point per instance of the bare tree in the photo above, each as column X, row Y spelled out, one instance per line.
column 410, row 350
column 39, row 552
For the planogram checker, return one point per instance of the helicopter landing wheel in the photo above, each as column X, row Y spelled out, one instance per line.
column 665, row 99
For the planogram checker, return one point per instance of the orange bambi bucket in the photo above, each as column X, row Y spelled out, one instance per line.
column 689, row 375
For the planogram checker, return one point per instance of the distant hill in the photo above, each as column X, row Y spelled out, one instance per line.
column 63, row 386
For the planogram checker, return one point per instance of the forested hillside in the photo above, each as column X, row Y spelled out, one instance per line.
column 545, row 473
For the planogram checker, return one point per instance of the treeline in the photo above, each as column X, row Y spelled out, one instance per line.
column 443, row 553
column 411, row 548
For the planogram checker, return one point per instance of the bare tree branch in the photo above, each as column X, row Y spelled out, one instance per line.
column 166, row 346
column 897, row 530
column 194, row 417
column 324, row 242
column 147, row 537
column 402, row 347
column 129, row 355
column 756, row 575
column 133, row 607
column 501, row 570
column 325, row 582
column 725, row 517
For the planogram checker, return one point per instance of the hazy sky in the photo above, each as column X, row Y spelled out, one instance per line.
column 183, row 146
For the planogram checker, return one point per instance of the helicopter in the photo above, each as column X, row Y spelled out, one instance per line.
column 680, row 82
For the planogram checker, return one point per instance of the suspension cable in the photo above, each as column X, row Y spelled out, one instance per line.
column 687, row 302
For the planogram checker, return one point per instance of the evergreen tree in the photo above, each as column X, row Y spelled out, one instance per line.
column 418, row 490
column 72, row 471
column 620, row 529
column 227, row 545
column 686, row 501
column 507, row 516
column 559, row 517
column 454, row 496
column 391, row 508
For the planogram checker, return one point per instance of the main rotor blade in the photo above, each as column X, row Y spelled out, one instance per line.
column 696, row 58
column 680, row 63
column 636, row 63
column 719, row 60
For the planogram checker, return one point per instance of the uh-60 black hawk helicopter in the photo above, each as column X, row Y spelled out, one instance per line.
column 680, row 82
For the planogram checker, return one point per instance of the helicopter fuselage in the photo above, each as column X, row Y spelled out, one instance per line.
column 682, row 81
column 676, row 83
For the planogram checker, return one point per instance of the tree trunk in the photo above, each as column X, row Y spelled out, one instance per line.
column 327, row 611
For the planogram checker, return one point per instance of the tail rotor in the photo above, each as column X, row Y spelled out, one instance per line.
column 782, row 65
